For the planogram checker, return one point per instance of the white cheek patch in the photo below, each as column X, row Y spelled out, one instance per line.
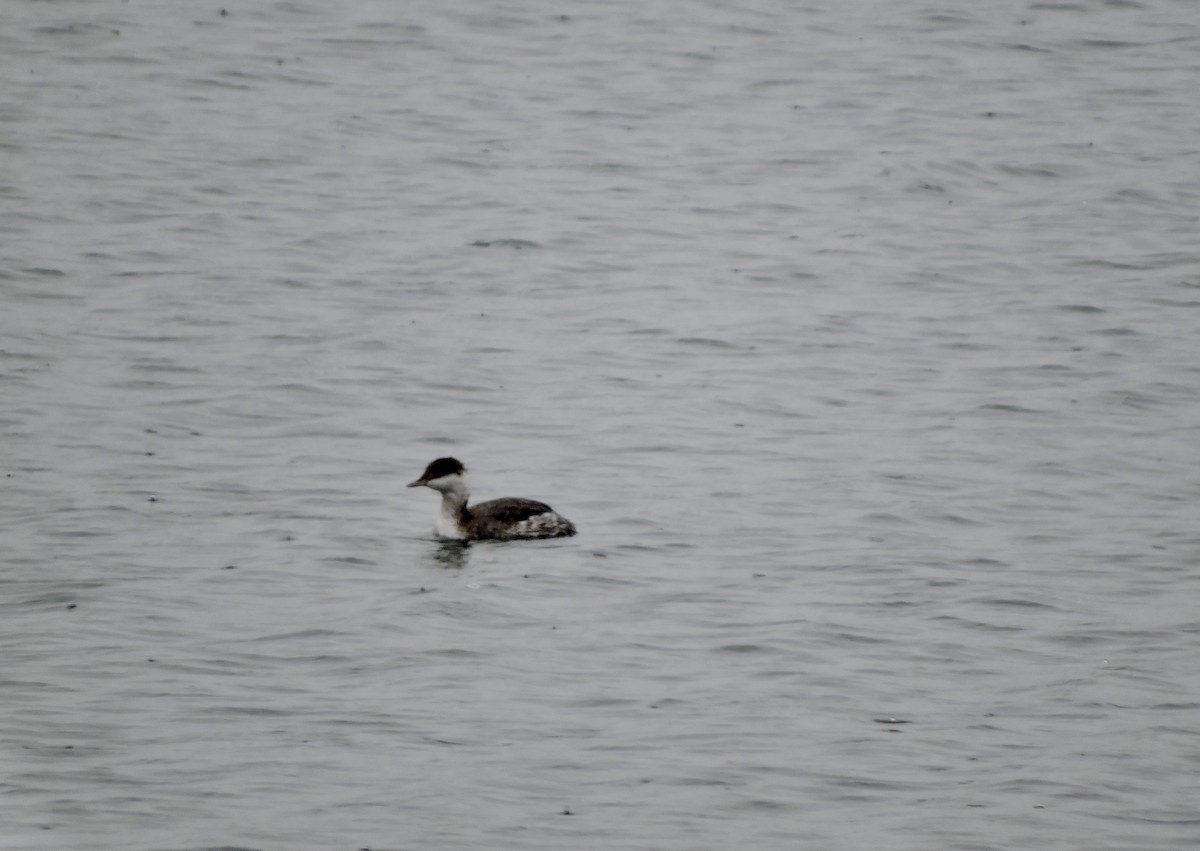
column 452, row 483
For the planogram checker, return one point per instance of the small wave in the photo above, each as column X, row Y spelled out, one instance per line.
column 1017, row 603
column 518, row 244
column 710, row 342
column 1008, row 409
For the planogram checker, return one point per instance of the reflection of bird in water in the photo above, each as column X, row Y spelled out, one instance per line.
column 451, row 554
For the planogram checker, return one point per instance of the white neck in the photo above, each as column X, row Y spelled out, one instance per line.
column 454, row 497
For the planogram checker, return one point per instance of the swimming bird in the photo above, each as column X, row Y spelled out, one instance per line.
column 505, row 519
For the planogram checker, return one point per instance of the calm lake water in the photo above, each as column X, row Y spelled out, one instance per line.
column 860, row 340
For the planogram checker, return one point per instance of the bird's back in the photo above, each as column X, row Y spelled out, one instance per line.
column 512, row 518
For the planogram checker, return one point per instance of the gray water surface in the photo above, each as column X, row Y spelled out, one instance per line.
column 860, row 341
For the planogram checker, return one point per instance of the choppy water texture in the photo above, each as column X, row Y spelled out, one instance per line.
column 860, row 340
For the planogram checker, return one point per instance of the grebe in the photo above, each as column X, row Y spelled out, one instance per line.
column 505, row 519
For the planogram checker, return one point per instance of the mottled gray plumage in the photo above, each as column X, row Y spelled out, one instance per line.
column 513, row 518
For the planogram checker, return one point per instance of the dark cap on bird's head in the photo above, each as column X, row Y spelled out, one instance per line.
column 437, row 469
